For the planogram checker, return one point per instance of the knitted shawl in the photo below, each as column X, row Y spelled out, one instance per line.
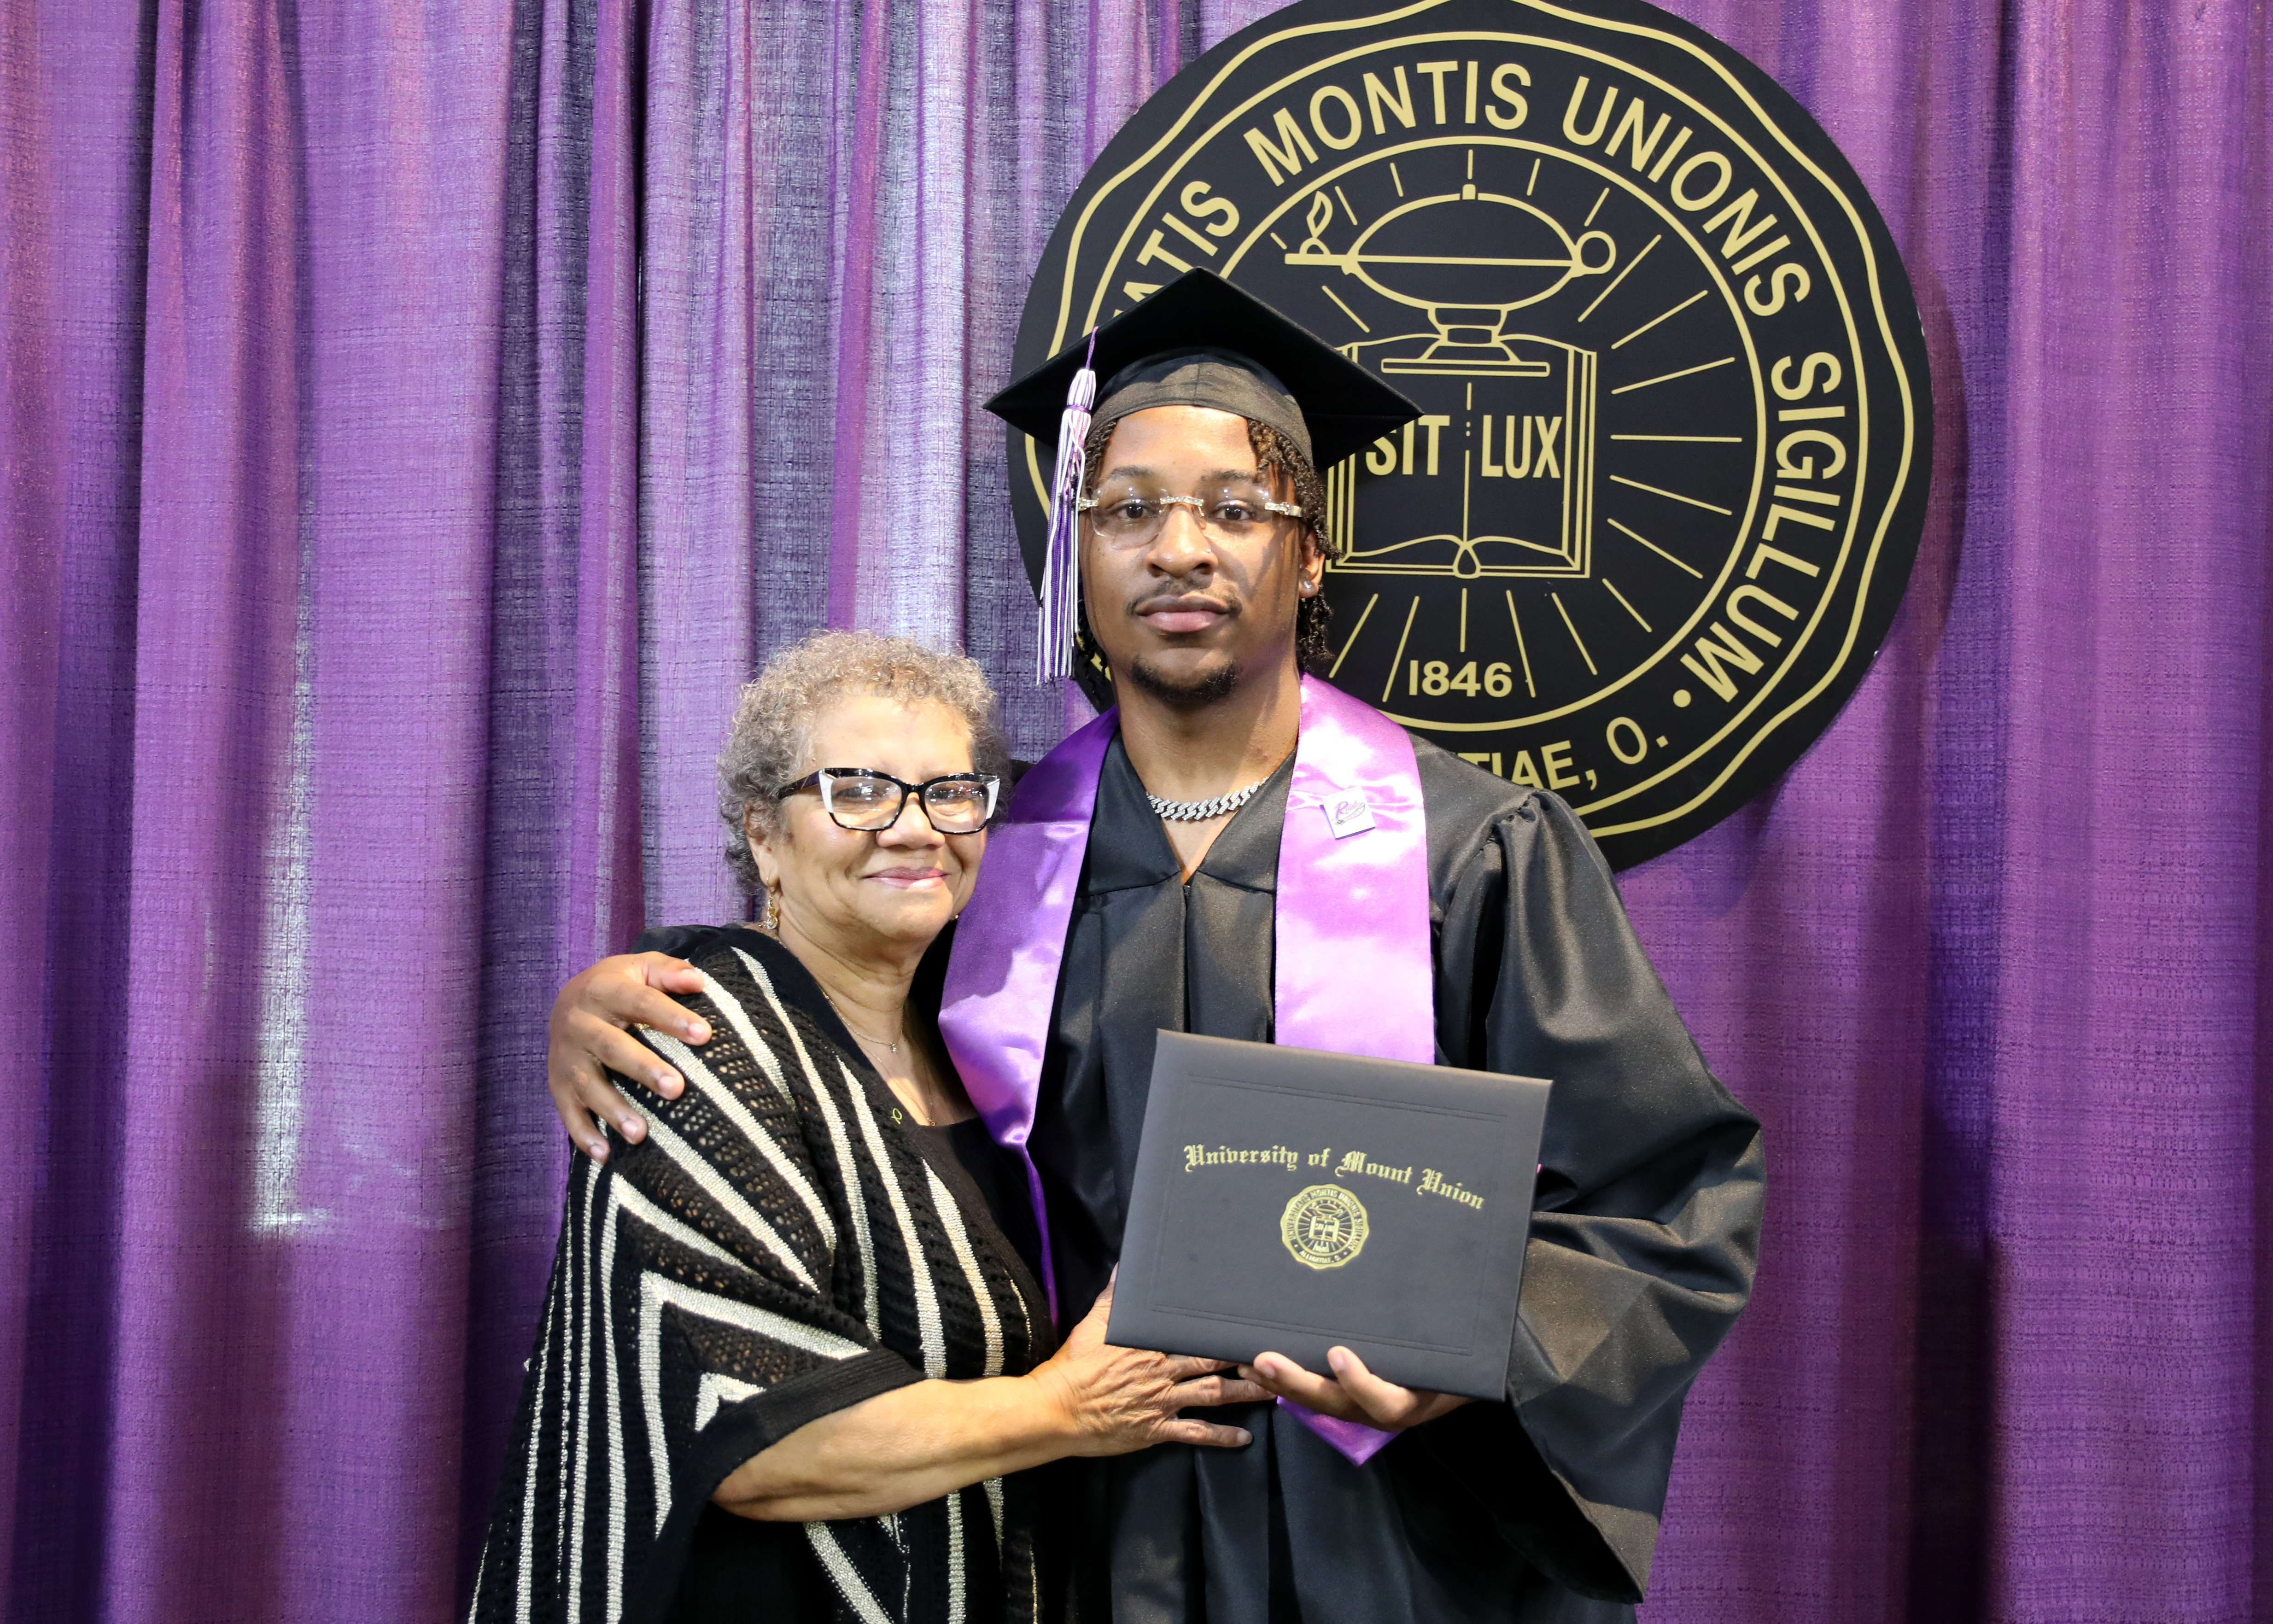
column 776, row 1249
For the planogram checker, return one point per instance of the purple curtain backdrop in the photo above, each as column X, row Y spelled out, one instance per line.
column 414, row 419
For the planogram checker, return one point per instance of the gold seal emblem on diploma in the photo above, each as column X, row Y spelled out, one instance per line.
column 1670, row 473
column 1324, row 1226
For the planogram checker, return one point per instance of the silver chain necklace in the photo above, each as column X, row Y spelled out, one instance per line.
column 1193, row 811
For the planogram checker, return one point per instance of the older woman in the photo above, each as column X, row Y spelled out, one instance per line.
column 790, row 1361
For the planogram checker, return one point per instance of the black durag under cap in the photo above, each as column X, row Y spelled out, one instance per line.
column 1200, row 341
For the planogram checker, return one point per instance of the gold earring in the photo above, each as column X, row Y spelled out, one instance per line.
column 770, row 921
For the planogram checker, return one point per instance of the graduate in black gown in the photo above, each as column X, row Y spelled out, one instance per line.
column 1543, row 1507
column 1641, row 1249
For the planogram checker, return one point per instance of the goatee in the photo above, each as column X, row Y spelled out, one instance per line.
column 1213, row 688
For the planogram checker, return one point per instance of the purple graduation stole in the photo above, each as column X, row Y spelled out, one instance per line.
column 1353, row 971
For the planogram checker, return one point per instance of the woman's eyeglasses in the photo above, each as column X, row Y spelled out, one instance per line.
column 1127, row 512
column 862, row 799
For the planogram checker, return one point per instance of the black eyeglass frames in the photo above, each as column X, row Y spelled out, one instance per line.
column 864, row 799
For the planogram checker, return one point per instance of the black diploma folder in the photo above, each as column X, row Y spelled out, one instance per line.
column 1289, row 1201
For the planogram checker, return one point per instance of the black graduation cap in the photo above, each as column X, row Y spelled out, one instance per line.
column 1200, row 341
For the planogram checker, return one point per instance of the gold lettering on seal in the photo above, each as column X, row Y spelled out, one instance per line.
column 1324, row 1226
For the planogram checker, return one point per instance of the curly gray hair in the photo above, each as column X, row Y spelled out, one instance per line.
column 772, row 733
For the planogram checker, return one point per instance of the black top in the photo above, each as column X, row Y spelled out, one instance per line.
column 781, row 1244
column 738, row 1570
column 993, row 1178
column 981, row 1174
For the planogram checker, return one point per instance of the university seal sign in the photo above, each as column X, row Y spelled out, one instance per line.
column 1673, row 470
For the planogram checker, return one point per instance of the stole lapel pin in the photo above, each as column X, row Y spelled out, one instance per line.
column 1346, row 815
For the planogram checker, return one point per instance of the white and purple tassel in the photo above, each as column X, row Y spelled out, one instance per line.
column 1060, row 607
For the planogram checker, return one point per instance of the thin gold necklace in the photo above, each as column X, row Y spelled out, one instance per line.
column 849, row 1026
column 921, row 1116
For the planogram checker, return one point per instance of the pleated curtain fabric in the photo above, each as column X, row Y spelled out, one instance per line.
column 415, row 420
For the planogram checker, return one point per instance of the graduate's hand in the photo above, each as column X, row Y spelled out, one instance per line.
column 1115, row 1399
column 590, row 1035
column 1353, row 1393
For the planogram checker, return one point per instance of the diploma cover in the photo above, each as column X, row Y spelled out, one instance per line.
column 1289, row 1201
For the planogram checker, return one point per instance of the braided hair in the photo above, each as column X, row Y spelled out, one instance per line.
column 1312, row 616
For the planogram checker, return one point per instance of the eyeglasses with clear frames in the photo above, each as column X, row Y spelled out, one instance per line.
column 1126, row 511
column 867, row 801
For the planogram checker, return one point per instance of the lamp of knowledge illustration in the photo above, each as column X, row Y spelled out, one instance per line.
column 1469, row 260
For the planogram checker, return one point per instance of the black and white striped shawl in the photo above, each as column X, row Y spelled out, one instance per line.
column 775, row 1250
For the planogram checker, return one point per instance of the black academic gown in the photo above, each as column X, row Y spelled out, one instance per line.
column 1646, row 1219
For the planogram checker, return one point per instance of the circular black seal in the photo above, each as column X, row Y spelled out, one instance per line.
column 1673, row 473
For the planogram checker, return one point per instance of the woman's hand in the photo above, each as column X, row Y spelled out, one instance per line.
column 590, row 1035
column 1122, row 1399
column 1353, row 1393
column 917, row 1442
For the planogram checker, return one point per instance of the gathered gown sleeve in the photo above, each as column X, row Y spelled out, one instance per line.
column 709, row 1296
column 1647, row 1214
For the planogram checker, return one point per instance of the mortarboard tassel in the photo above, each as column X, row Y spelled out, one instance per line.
column 1060, row 606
